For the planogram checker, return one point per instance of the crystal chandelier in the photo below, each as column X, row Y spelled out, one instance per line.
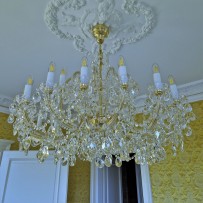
column 93, row 115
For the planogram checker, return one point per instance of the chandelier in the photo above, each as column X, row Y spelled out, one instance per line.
column 93, row 115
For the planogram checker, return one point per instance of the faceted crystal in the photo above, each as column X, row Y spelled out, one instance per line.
column 99, row 162
column 36, row 97
column 10, row 119
column 118, row 162
column 26, row 143
column 108, row 161
column 40, row 156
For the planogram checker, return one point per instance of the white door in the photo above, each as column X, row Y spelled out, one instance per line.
column 106, row 185
column 24, row 180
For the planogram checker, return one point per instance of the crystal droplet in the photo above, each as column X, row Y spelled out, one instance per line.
column 12, row 108
column 17, row 99
column 72, row 161
column 26, row 143
column 99, row 163
column 36, row 97
column 64, row 161
column 56, row 160
column 189, row 132
column 118, row 162
column 108, row 161
column 174, row 150
column 15, row 131
column 45, row 151
column 40, row 156
column 10, row 119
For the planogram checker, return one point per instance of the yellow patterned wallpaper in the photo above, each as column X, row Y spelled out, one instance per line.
column 79, row 175
column 180, row 179
column 6, row 131
column 79, row 183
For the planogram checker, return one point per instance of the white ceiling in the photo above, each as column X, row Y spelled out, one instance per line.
column 27, row 46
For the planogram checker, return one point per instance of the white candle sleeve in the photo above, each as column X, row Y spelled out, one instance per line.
column 157, row 81
column 84, row 79
column 124, row 79
column 174, row 91
column 84, row 75
column 62, row 79
column 50, row 80
column 123, row 74
column 27, row 91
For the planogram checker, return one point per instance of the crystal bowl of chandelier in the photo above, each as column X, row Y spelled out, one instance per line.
column 94, row 117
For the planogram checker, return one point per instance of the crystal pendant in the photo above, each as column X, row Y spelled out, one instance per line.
column 45, row 151
column 12, row 108
column 10, row 119
column 40, row 156
column 36, row 97
column 99, row 162
column 56, row 160
column 26, row 143
column 118, row 162
column 108, row 161
column 64, row 161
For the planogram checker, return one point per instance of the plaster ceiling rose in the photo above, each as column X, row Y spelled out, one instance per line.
column 129, row 22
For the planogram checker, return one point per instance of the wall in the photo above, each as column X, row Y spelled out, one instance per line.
column 79, row 183
column 180, row 179
column 6, row 131
column 79, row 175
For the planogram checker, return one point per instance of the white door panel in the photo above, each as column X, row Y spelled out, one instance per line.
column 24, row 180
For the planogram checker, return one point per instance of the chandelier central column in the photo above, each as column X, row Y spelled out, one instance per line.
column 100, row 32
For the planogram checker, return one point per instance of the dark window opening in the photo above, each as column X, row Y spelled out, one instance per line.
column 131, row 182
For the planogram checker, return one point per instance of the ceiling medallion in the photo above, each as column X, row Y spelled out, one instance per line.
column 93, row 115
column 129, row 21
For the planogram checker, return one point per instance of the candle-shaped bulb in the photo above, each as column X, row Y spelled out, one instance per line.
column 84, row 62
column 121, row 61
column 171, row 80
column 173, row 87
column 155, row 68
column 62, row 78
column 51, row 67
column 30, row 81
column 84, row 73
column 63, row 72
column 157, row 77
column 28, row 88
column 122, row 71
column 50, row 76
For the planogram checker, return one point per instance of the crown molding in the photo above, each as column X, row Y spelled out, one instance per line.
column 5, row 103
column 193, row 91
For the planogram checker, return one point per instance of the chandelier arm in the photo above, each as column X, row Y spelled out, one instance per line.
column 37, row 135
column 26, row 118
column 68, row 80
column 27, row 122
column 50, row 105
column 121, row 104
column 153, row 120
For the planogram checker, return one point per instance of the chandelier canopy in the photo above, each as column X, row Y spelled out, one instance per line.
column 93, row 115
